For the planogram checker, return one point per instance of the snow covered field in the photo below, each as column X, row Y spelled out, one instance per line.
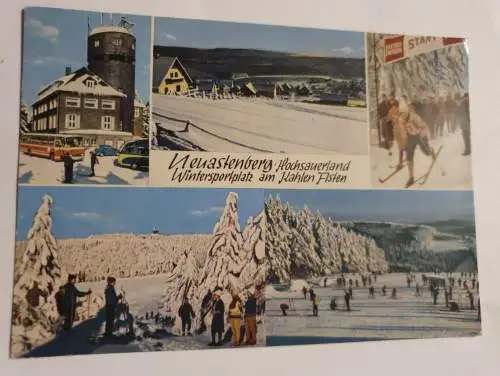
column 249, row 125
column 457, row 168
column 379, row 318
column 41, row 171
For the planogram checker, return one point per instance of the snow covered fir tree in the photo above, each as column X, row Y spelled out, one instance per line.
column 37, row 279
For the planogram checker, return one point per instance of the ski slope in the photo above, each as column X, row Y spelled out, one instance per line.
column 456, row 167
column 42, row 171
column 379, row 318
column 259, row 125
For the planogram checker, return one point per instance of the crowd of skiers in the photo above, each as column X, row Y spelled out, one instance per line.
column 235, row 314
column 447, row 286
column 410, row 123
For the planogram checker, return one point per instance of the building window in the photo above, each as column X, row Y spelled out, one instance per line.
column 107, row 104
column 137, row 112
column 176, row 74
column 117, row 42
column 108, row 122
column 90, row 83
column 171, row 74
column 72, row 121
column 96, row 43
column 73, row 102
column 90, row 103
column 35, row 110
column 93, row 142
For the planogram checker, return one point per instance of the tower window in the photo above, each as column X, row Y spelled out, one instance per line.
column 117, row 42
column 96, row 43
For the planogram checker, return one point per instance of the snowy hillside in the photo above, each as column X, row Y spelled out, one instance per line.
column 125, row 255
column 234, row 263
column 421, row 247
column 302, row 243
column 39, row 275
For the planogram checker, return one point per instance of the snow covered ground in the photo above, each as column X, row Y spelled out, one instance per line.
column 144, row 295
column 249, row 125
column 41, row 171
column 379, row 318
column 456, row 167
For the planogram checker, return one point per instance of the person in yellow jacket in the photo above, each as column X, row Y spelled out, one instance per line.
column 417, row 134
column 234, row 318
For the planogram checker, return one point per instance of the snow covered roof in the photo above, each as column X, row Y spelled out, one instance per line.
column 110, row 29
column 100, row 132
column 76, row 82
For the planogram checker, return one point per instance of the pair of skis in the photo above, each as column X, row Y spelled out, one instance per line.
column 421, row 180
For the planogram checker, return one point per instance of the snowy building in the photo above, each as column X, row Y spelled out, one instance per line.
column 139, row 115
column 170, row 76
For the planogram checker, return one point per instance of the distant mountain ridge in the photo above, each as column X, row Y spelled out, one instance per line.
column 222, row 62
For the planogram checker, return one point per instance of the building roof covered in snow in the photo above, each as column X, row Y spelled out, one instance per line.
column 81, row 81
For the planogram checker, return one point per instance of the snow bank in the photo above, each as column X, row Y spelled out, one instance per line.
column 298, row 284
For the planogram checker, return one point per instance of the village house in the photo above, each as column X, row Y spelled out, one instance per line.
column 170, row 77
column 139, row 116
column 80, row 103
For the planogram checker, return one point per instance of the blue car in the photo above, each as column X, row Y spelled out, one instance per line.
column 106, row 151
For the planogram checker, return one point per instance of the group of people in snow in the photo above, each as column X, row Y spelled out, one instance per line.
column 66, row 302
column 411, row 123
column 69, row 164
column 236, row 312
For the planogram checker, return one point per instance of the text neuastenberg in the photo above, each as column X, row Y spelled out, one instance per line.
column 234, row 168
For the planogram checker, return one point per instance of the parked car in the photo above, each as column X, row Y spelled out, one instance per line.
column 134, row 154
column 106, row 151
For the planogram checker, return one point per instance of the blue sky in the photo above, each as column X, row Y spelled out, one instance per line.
column 82, row 211
column 211, row 34
column 56, row 38
column 406, row 206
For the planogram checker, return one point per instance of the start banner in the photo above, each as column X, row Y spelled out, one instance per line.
column 400, row 47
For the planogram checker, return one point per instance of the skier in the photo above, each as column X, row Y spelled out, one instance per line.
column 111, row 304
column 333, row 304
column 234, row 318
column 371, row 291
column 408, row 281
column 311, row 294
column 384, row 290
column 350, row 282
column 356, row 283
column 304, row 291
column 446, row 297
column 60, row 305
column 251, row 318
column 450, row 293
column 315, row 305
column 435, row 294
column 347, row 299
column 417, row 134
column 350, row 292
column 397, row 132
column 394, row 293
column 186, row 314
column 71, row 293
column 384, row 126
column 284, row 307
column 68, row 168
column 217, row 319
column 460, row 282
column 417, row 290
column 324, row 282
column 471, row 299
column 93, row 161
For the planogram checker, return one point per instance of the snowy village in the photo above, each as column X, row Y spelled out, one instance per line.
column 424, row 84
column 85, row 99
column 345, row 266
column 94, row 289
column 221, row 90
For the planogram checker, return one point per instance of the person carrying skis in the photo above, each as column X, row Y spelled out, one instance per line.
column 93, row 161
column 417, row 134
column 234, row 318
column 217, row 318
column 112, row 300
column 71, row 293
column 251, row 318
column 186, row 313
column 68, row 168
